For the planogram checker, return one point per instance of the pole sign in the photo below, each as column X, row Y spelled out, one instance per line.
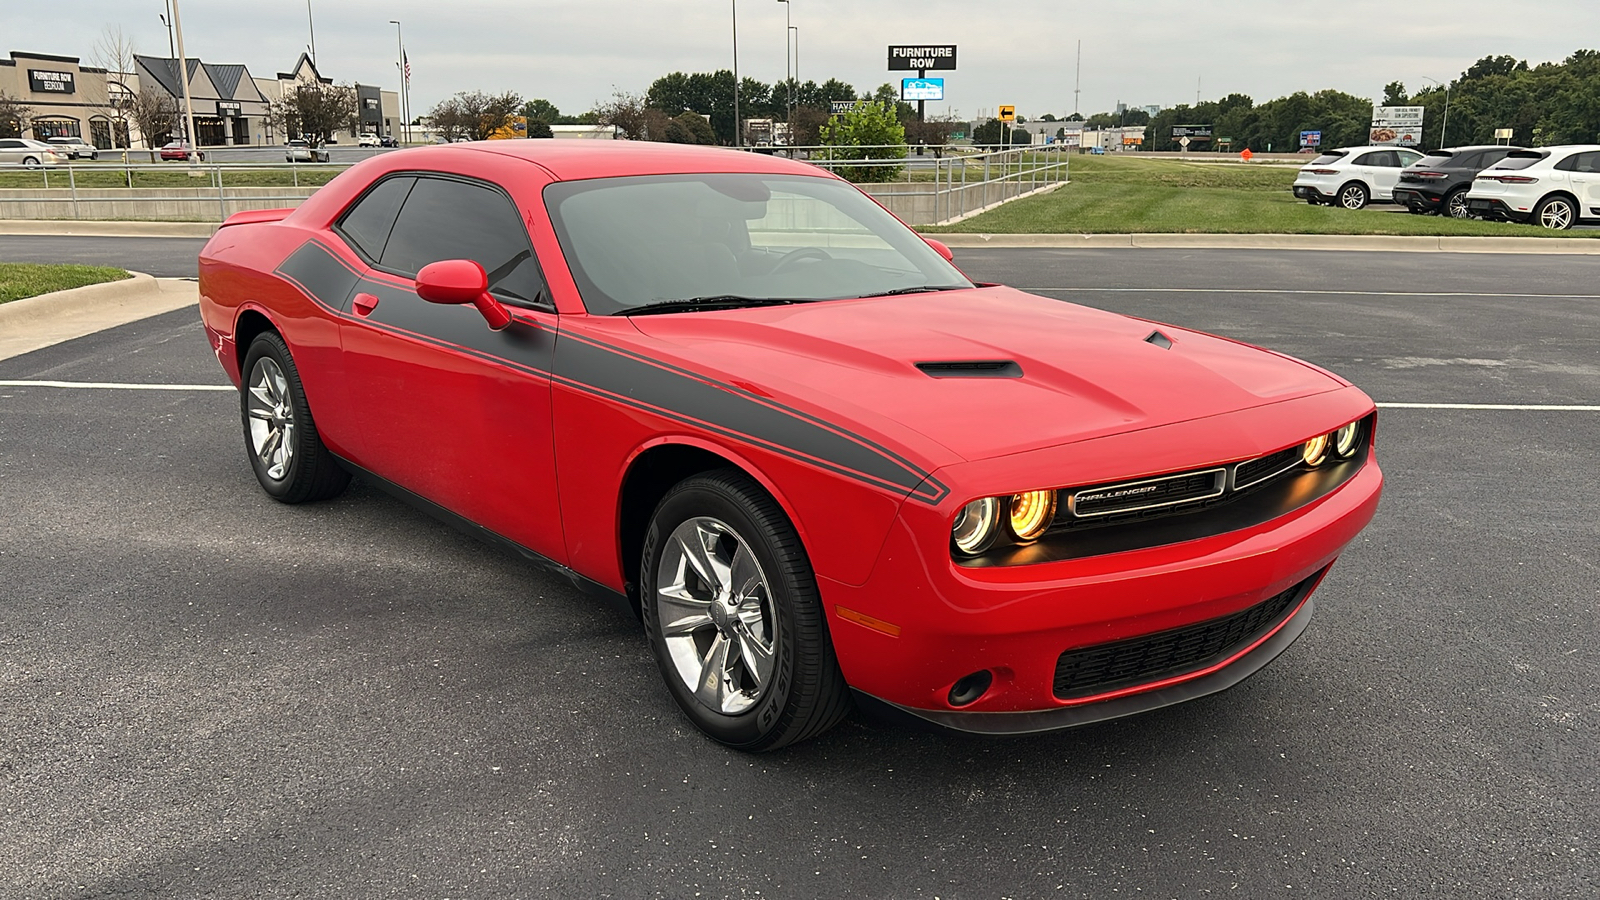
column 922, row 89
column 1007, row 114
column 1401, row 125
column 922, row 57
column 45, row 81
column 1310, row 139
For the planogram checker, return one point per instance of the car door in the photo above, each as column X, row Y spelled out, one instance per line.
column 1384, row 166
column 1584, row 174
column 11, row 151
column 440, row 404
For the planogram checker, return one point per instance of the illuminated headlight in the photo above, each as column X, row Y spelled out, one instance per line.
column 1315, row 450
column 1346, row 439
column 976, row 526
column 1031, row 513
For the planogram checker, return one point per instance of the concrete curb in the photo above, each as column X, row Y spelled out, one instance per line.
column 1392, row 244
column 35, row 322
column 86, row 228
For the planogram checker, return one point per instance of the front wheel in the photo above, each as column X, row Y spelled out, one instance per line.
column 1455, row 205
column 1556, row 213
column 280, row 436
column 1353, row 195
column 734, row 617
column 30, row 162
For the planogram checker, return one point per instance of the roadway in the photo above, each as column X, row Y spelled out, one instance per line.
column 211, row 694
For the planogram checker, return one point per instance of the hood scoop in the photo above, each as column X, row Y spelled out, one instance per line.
column 975, row 368
column 1159, row 339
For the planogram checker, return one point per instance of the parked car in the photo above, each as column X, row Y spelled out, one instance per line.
column 75, row 147
column 1554, row 187
column 29, row 153
column 180, row 150
column 1352, row 177
column 303, row 151
column 368, row 140
column 734, row 394
column 388, row 141
column 1438, row 182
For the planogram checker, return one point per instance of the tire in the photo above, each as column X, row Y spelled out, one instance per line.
column 1454, row 205
column 1555, row 213
column 30, row 162
column 1354, row 196
column 280, row 436
column 712, row 653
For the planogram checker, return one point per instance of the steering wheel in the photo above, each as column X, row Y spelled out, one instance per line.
column 799, row 254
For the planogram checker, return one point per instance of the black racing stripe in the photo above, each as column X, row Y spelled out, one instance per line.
column 642, row 383
column 321, row 274
column 607, row 372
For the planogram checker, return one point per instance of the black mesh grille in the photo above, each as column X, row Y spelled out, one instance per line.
column 1117, row 498
column 1107, row 667
column 1256, row 469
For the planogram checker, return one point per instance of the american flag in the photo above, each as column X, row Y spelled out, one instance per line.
column 407, row 61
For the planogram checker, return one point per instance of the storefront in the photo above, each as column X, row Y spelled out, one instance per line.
column 64, row 99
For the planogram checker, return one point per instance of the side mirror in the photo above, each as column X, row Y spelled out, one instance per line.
column 943, row 250
column 462, row 281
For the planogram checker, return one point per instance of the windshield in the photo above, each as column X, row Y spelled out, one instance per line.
column 633, row 242
column 1433, row 161
column 1520, row 160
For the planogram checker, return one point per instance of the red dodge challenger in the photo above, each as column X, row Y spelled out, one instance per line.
column 821, row 464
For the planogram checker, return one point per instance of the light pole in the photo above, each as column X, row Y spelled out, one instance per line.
column 311, row 23
column 788, row 71
column 405, row 82
column 183, row 79
column 167, row 21
column 1445, row 126
column 734, row 6
column 796, row 30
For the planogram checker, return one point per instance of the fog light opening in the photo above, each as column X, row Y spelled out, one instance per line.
column 970, row 688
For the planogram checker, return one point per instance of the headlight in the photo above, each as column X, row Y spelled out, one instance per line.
column 976, row 525
column 1345, row 440
column 1315, row 450
column 1031, row 513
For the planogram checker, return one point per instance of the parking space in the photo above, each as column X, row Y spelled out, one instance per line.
column 211, row 694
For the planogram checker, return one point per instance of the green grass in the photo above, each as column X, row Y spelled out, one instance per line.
column 1128, row 194
column 19, row 280
column 110, row 175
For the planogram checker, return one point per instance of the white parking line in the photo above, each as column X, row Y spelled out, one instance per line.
column 1142, row 290
column 119, row 386
column 1498, row 406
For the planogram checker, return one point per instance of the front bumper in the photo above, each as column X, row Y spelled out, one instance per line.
column 922, row 623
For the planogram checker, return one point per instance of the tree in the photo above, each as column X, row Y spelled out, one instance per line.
column 866, row 131
column 627, row 112
column 153, row 112
column 315, row 111
column 14, row 116
column 1394, row 94
column 473, row 114
column 539, row 129
column 689, row 128
column 114, row 52
column 543, row 110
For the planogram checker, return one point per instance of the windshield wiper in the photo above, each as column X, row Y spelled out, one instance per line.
column 920, row 289
column 721, row 301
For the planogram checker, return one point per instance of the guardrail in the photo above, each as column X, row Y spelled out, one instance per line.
column 943, row 184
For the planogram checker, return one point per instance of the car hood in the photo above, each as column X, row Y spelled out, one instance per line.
column 1084, row 373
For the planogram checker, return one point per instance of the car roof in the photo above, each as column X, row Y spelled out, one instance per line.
column 574, row 159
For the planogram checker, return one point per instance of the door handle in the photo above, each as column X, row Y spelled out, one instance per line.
column 364, row 304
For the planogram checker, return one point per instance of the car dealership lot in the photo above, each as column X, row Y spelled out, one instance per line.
column 213, row 694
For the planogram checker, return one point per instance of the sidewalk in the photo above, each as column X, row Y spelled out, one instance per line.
column 35, row 322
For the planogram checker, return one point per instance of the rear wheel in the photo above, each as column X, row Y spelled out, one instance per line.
column 731, row 607
column 30, row 162
column 1353, row 195
column 1556, row 213
column 280, row 435
column 1455, row 204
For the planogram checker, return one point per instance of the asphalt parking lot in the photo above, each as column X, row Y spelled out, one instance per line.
column 208, row 694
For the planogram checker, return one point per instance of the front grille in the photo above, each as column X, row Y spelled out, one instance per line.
column 1107, row 667
column 1130, row 496
column 1262, row 468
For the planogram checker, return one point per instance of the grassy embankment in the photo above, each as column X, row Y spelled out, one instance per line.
column 1140, row 195
column 111, row 175
column 19, row 280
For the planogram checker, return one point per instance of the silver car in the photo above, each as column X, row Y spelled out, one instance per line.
column 75, row 147
column 30, row 154
column 301, row 151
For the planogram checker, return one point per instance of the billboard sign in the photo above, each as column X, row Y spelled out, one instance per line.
column 922, row 89
column 840, row 107
column 45, row 81
column 1310, row 139
column 1401, row 125
column 919, row 58
column 1192, row 132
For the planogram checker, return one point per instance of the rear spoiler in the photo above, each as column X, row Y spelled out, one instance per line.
column 252, row 216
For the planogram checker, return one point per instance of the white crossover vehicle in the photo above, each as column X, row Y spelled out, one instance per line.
column 1352, row 177
column 1553, row 187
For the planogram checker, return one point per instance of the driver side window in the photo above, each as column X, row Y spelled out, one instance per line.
column 447, row 218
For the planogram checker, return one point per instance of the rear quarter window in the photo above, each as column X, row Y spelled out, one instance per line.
column 1327, row 158
column 367, row 224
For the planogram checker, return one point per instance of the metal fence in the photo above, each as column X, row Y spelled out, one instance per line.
column 936, row 186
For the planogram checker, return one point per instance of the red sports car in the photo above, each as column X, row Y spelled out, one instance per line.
column 820, row 463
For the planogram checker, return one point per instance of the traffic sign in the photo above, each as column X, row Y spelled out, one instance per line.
column 1184, row 141
column 1008, row 114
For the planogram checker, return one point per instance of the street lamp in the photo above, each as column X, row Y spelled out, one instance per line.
column 1446, row 125
column 734, row 6
column 788, row 76
column 405, row 82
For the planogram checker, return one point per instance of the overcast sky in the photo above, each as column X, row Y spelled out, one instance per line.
column 1010, row 51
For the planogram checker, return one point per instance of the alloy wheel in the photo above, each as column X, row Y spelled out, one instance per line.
column 715, row 607
column 1456, row 207
column 1353, row 197
column 1557, row 215
column 272, row 425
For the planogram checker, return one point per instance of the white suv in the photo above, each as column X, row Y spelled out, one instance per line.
column 368, row 140
column 1352, row 177
column 1555, row 187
